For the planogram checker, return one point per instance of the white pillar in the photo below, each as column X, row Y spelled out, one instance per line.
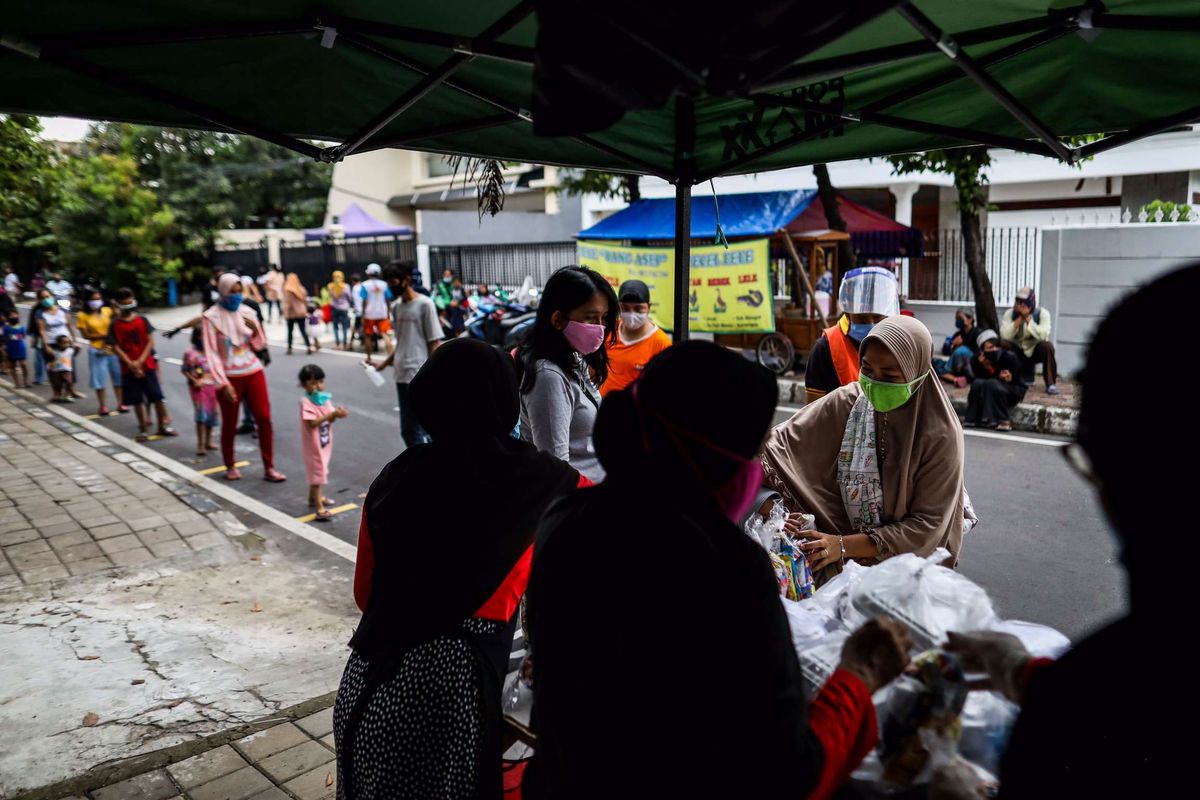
column 903, row 192
column 423, row 263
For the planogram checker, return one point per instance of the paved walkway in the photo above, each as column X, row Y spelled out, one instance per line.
column 156, row 640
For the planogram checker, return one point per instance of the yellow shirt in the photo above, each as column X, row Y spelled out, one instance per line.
column 626, row 361
column 94, row 327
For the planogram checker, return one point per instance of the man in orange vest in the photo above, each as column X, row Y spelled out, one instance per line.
column 867, row 295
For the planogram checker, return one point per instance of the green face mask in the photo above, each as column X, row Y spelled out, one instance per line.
column 885, row 397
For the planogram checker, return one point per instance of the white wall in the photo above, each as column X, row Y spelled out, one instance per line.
column 1085, row 270
column 370, row 179
column 938, row 317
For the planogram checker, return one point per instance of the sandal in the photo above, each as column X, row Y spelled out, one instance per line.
column 142, row 437
column 167, row 431
column 122, row 409
column 274, row 476
column 103, row 412
column 322, row 516
column 1004, row 426
column 324, row 501
column 233, row 474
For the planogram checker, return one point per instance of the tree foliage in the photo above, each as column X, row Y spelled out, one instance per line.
column 29, row 186
column 109, row 227
column 604, row 184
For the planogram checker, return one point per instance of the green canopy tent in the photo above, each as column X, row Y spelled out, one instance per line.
column 740, row 88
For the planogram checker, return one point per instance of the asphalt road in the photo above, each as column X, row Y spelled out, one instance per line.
column 1042, row 549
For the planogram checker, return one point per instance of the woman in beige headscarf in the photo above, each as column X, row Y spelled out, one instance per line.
column 295, row 311
column 878, row 462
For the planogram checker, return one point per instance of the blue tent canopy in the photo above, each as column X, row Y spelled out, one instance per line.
column 750, row 214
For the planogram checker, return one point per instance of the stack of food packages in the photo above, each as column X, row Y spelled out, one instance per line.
column 928, row 716
column 791, row 567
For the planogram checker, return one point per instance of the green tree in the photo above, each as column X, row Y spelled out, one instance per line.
column 966, row 165
column 110, row 227
column 29, row 184
column 604, row 184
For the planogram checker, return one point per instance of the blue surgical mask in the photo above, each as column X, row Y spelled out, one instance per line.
column 859, row 330
column 231, row 302
column 319, row 398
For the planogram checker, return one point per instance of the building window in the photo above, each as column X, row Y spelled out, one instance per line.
column 436, row 166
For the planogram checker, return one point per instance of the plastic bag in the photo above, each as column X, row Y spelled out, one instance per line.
column 927, row 597
column 791, row 568
column 818, row 661
column 767, row 531
column 809, row 623
column 987, row 722
column 374, row 375
column 1039, row 640
column 924, row 707
column 835, row 595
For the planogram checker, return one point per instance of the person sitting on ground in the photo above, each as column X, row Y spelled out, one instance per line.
column 1067, row 740
column 867, row 296
column 996, row 389
column 879, row 462
column 638, row 339
column 131, row 336
column 959, row 348
column 679, row 447
column 418, row 711
column 1026, row 331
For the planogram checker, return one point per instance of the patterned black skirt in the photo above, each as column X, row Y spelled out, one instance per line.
column 423, row 731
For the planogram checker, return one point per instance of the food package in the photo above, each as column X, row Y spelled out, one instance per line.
column 927, row 701
column 791, row 568
column 928, row 598
column 1041, row 641
column 835, row 595
column 819, row 660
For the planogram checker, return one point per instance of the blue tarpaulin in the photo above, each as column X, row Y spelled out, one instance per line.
column 750, row 214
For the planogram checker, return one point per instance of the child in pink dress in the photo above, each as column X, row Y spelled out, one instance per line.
column 203, row 390
column 317, row 414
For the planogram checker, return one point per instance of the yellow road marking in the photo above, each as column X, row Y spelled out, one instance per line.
column 215, row 470
column 338, row 510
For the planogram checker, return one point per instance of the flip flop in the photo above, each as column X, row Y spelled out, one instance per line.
column 322, row 516
column 168, row 431
column 274, row 476
column 233, row 474
column 142, row 437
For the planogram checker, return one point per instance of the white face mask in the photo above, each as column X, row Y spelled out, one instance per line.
column 633, row 320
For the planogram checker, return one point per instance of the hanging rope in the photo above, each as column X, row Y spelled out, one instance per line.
column 717, row 207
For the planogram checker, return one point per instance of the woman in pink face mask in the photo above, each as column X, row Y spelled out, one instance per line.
column 563, row 364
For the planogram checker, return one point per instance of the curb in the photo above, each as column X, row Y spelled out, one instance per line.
column 1026, row 417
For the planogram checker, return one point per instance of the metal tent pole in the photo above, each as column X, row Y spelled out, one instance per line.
column 685, row 170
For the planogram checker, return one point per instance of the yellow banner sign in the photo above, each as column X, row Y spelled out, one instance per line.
column 730, row 292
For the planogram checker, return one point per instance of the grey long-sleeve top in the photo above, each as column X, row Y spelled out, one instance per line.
column 558, row 415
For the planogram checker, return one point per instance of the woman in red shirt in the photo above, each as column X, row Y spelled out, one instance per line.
column 418, row 710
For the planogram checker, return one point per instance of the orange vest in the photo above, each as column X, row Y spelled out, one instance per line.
column 844, row 354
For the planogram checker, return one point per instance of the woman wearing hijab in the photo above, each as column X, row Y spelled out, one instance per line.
column 879, row 462
column 295, row 311
column 997, row 387
column 340, row 300
column 652, row 566
column 563, row 362
column 418, row 710
column 232, row 338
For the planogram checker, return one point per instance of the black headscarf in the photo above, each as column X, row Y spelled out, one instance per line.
column 448, row 520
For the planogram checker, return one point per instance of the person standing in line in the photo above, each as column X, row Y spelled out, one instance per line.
column 997, row 387
column 272, row 283
column 16, row 349
column 131, row 336
column 562, row 362
column 33, row 329
column 12, row 283
column 295, row 311
column 637, row 341
column 356, row 305
column 317, row 415
column 867, row 296
column 251, row 294
column 203, row 392
column 1026, row 331
column 232, row 338
column 340, row 302
column 376, row 297
column 53, row 322
column 62, row 370
column 60, row 289
column 94, row 320
column 418, row 333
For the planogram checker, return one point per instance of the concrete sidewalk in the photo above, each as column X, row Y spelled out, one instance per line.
column 145, row 620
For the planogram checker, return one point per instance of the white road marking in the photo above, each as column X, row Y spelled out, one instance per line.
column 169, row 360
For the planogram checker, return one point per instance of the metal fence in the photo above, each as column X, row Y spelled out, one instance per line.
column 249, row 260
column 315, row 261
column 504, row 265
column 1013, row 257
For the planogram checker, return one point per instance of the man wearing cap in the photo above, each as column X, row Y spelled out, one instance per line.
column 1026, row 330
column 867, row 295
column 376, row 297
column 638, row 339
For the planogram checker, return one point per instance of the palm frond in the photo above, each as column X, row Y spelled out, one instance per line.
column 487, row 175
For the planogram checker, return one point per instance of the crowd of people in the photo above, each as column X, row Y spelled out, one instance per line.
column 611, row 460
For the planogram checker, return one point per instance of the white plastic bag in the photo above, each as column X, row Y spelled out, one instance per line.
column 927, row 597
column 818, row 661
column 834, row 596
column 1040, row 640
column 374, row 375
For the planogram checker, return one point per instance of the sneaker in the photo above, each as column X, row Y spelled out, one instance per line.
column 245, row 429
column 1053, row 389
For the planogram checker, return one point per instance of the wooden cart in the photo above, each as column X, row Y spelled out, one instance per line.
column 798, row 320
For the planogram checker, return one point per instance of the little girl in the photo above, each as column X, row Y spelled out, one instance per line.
column 316, row 421
column 203, row 392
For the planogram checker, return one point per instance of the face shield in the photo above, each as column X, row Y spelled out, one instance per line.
column 870, row 290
